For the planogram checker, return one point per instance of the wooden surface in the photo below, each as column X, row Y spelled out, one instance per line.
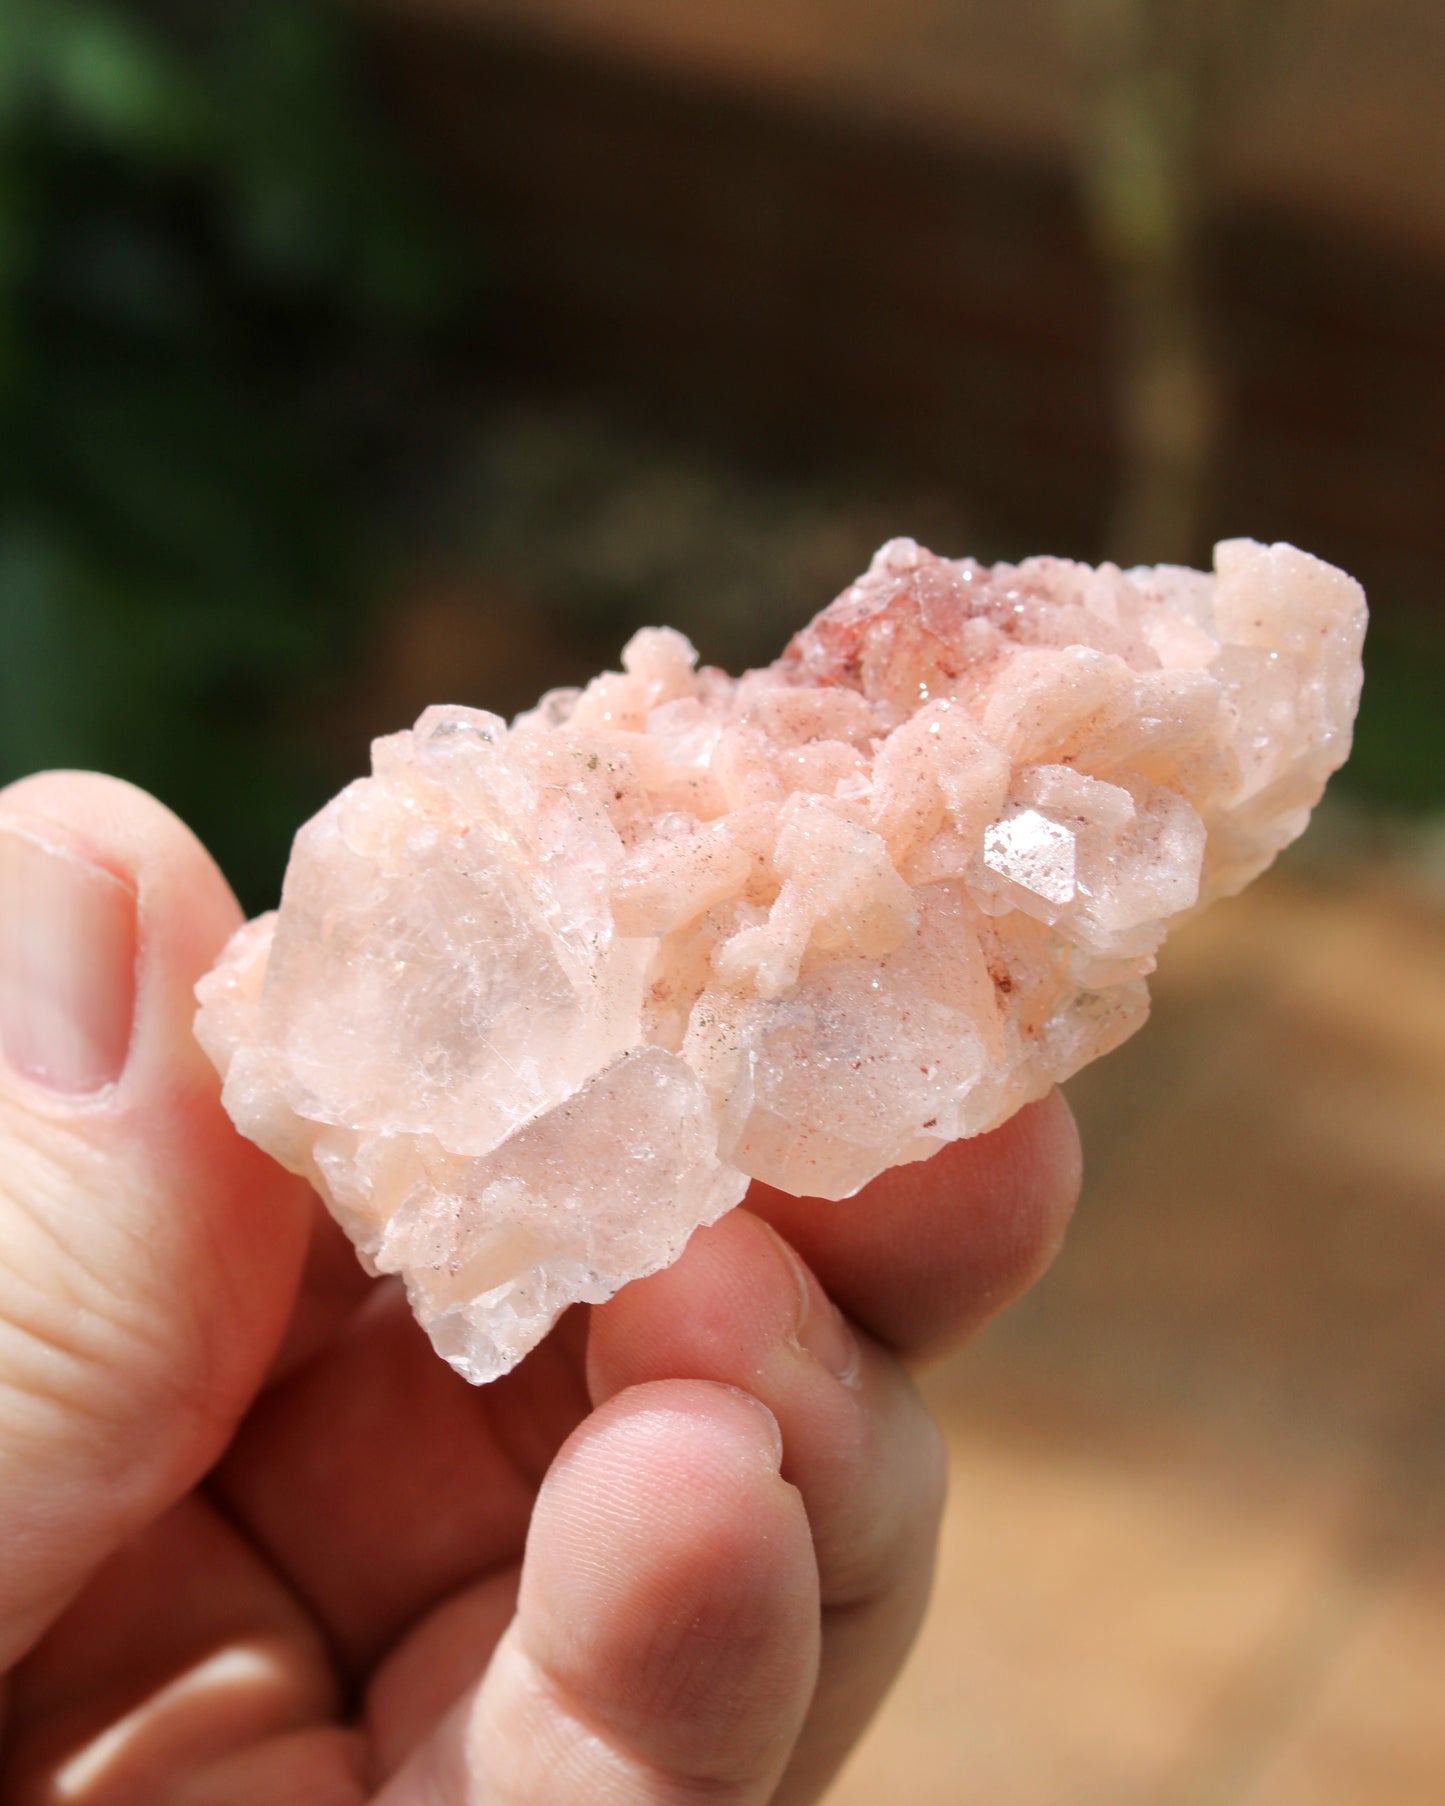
column 1195, row 1549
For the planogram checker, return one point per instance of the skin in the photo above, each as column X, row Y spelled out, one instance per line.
column 262, row 1545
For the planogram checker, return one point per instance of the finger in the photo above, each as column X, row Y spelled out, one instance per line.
column 151, row 1255
column 665, row 1644
column 379, row 1482
column 924, row 1255
column 740, row 1308
column 182, row 1663
column 437, row 1662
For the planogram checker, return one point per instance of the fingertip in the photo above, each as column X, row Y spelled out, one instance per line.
column 670, row 1492
column 924, row 1255
column 185, row 910
column 1051, row 1156
column 1020, row 1184
column 670, row 1592
column 719, row 1313
column 122, row 826
column 706, row 1440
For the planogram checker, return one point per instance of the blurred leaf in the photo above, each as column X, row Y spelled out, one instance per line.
column 118, row 83
column 217, row 278
column 1399, row 750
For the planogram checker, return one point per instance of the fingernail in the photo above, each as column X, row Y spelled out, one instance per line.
column 822, row 1330
column 766, row 1417
column 67, row 964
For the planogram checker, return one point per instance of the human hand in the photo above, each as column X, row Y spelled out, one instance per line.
column 262, row 1546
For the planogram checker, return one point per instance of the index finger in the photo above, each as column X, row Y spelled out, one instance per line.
column 925, row 1254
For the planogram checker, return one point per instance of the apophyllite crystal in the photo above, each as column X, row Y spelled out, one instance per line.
column 541, row 999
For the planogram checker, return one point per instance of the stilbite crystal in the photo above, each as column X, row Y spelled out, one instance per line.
column 539, row 1000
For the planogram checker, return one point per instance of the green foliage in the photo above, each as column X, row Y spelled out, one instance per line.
column 1398, row 757
column 215, row 277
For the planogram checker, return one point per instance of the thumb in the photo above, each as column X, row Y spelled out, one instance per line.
column 148, row 1256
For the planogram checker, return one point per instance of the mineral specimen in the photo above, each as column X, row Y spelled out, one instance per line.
column 541, row 999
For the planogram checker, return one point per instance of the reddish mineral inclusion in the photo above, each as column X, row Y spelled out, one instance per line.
column 541, row 999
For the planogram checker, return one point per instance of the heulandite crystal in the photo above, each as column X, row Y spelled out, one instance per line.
column 539, row 1000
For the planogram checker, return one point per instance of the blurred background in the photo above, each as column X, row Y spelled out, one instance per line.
column 355, row 357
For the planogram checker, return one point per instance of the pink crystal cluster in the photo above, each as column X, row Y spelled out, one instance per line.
column 541, row 999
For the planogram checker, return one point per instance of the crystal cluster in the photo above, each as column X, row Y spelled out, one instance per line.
column 541, row 999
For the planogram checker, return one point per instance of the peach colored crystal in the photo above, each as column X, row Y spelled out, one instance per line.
column 541, row 999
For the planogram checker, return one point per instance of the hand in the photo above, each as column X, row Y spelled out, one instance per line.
column 261, row 1545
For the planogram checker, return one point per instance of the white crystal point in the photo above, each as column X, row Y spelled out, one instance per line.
column 540, row 1000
